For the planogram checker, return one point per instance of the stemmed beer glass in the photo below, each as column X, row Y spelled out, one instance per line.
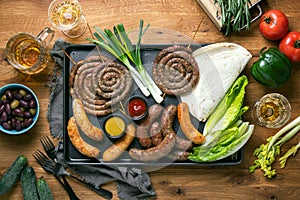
column 273, row 110
column 67, row 16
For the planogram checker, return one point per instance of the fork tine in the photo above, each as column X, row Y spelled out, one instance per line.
column 47, row 143
column 49, row 166
column 44, row 161
column 38, row 155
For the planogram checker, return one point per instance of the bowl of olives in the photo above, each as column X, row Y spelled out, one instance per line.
column 19, row 109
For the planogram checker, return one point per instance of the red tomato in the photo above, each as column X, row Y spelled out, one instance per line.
column 273, row 25
column 290, row 46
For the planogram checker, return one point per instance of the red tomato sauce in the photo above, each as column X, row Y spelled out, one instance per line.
column 136, row 107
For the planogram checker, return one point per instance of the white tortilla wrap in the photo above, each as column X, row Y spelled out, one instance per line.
column 219, row 65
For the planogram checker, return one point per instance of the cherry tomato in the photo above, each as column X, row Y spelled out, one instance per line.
column 273, row 25
column 290, row 46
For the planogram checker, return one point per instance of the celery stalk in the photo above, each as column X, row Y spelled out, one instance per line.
column 291, row 152
column 291, row 125
column 266, row 154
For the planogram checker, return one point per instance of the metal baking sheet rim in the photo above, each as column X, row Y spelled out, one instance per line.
column 92, row 161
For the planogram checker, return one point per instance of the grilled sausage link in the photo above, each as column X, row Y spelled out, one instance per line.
column 143, row 128
column 178, row 155
column 175, row 70
column 157, row 152
column 165, row 147
column 186, row 125
column 156, row 133
column 84, row 123
column 167, row 118
column 75, row 138
column 114, row 151
column 183, row 144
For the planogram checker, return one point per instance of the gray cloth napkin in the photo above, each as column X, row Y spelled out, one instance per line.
column 132, row 183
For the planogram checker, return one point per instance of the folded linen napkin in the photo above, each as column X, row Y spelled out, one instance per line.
column 132, row 183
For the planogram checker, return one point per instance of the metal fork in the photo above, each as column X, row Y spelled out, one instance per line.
column 41, row 159
column 48, row 147
column 59, row 170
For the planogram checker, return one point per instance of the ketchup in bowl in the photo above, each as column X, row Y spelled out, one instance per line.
column 137, row 107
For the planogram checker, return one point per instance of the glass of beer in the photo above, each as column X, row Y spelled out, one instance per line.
column 29, row 53
column 273, row 110
column 66, row 15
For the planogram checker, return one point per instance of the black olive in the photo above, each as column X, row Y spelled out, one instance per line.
column 32, row 103
column 13, row 123
column 7, row 125
column 1, row 108
column 17, row 96
column 27, row 114
column 18, row 125
column 4, row 116
column 27, row 97
column 27, row 122
column 18, row 112
column 9, row 95
column 23, row 103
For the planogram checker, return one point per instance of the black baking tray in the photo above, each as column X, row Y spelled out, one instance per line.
column 148, row 53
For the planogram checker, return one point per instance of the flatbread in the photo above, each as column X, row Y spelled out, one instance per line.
column 219, row 64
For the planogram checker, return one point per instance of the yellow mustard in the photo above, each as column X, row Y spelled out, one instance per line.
column 115, row 126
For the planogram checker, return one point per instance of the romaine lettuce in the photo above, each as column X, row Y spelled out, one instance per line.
column 224, row 130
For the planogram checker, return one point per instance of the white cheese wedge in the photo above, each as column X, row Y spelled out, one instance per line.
column 219, row 65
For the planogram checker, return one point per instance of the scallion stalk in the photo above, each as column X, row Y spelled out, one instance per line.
column 120, row 46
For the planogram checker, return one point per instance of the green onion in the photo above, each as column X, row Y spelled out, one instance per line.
column 120, row 46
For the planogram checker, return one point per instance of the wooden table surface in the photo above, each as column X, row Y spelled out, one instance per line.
column 222, row 182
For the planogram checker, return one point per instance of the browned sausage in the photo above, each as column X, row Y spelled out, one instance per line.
column 114, row 151
column 167, row 118
column 101, row 86
column 73, row 74
column 183, row 144
column 84, row 123
column 186, row 125
column 164, row 148
column 143, row 128
column 156, row 133
column 175, row 71
column 178, row 155
column 157, row 152
column 75, row 138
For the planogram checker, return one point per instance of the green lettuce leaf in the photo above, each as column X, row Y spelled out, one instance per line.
column 229, row 110
column 224, row 130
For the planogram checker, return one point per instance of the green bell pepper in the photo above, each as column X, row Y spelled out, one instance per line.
column 272, row 69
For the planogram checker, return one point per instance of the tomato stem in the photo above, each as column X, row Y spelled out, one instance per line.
column 297, row 44
column 268, row 20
